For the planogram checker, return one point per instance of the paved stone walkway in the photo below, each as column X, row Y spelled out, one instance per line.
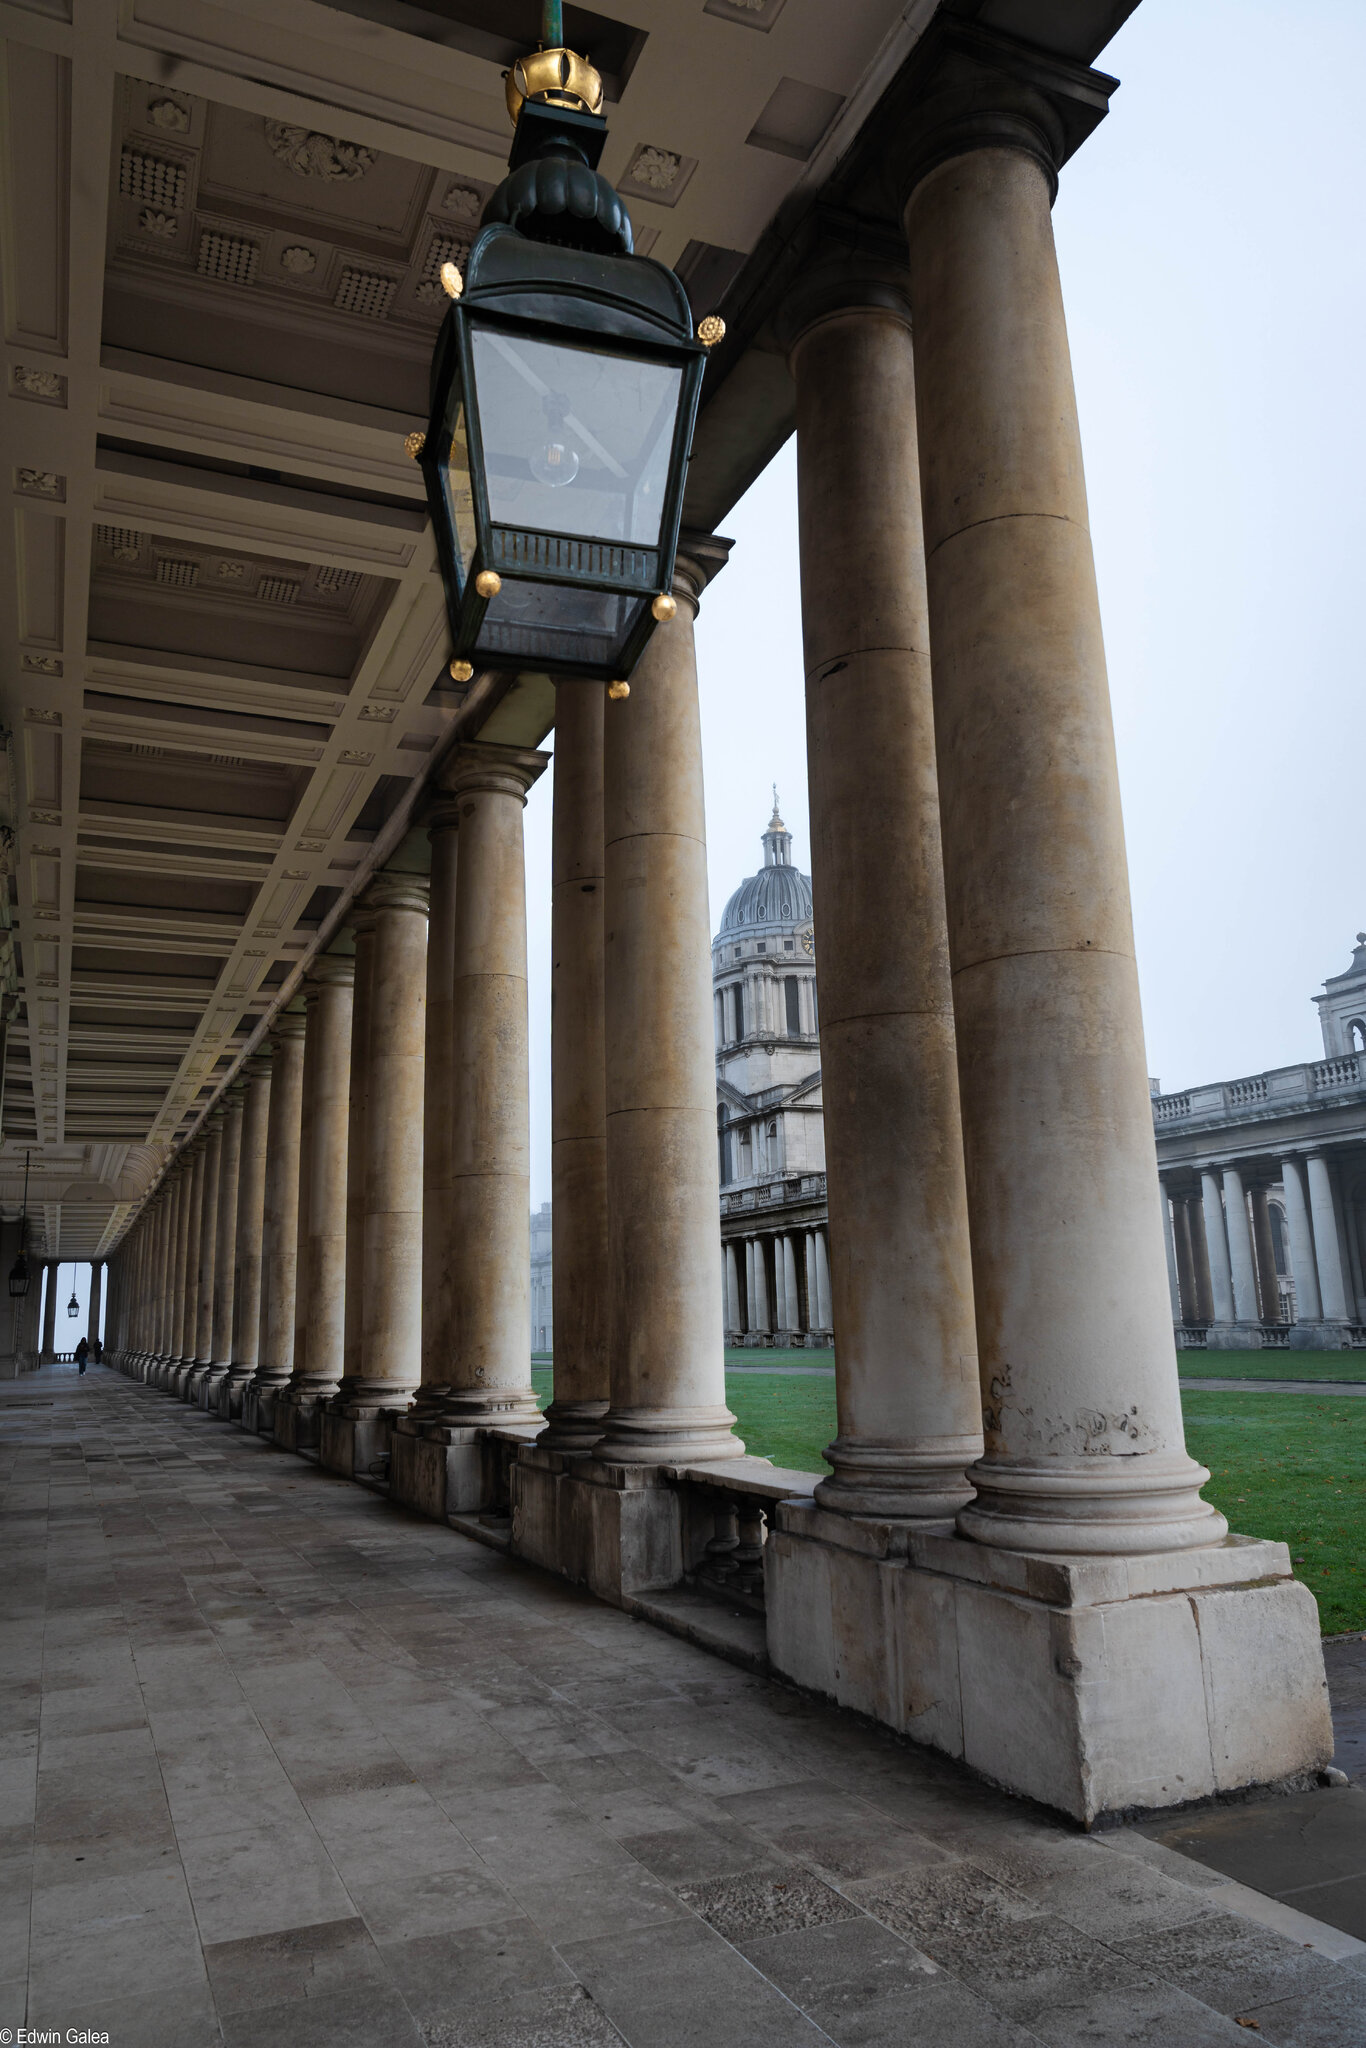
column 284, row 1765
column 1329, row 1389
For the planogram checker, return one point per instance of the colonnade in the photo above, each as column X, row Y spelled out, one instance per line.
column 778, row 1284
column 1005, row 1375
column 1224, row 1275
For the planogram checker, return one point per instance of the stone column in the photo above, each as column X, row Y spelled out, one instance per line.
column 489, row 1376
column 1351, row 1222
column 1204, row 1280
column 906, row 1374
column 1268, row 1291
column 1185, row 1261
column 438, row 1326
column 320, row 1299
column 668, row 1390
column 47, row 1347
column 363, row 934
column 1327, row 1247
column 823, row 1282
column 760, row 1318
column 794, row 1300
column 1216, row 1246
column 92, row 1320
column 1164, row 1210
column 1308, row 1305
column 280, row 1223
column 207, row 1275
column 245, row 1345
column 1072, row 1314
column 1245, row 1305
column 225, row 1255
column 733, row 1321
column 578, row 1075
column 188, row 1319
column 391, row 1280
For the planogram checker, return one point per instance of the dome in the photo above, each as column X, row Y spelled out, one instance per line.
column 778, row 897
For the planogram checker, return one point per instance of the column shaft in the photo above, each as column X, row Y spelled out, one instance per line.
column 663, row 1190
column 280, row 1215
column 1268, row 1291
column 1245, row 1305
column 1216, row 1246
column 1185, row 1261
column 251, row 1202
column 1085, row 1443
column 225, row 1263
column 391, row 1280
column 320, row 1299
column 1308, row 1305
column 438, row 1230
column 1327, row 1245
column 206, row 1276
column 489, row 1257
column 906, row 1371
column 578, row 1074
column 363, row 932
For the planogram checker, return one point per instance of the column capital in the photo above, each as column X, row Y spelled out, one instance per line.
column 329, row 970
column 482, row 767
column 286, row 1026
column 213, row 1121
column 444, row 815
column 966, row 88
column 397, row 892
column 257, row 1068
column 842, row 266
column 701, row 557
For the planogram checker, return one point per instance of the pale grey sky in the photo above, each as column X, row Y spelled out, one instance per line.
column 1211, row 246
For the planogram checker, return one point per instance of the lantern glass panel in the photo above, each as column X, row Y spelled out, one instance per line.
column 459, row 497
column 555, row 623
column 575, row 440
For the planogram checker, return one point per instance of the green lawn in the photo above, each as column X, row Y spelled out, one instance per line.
column 1287, row 1466
column 1272, row 1365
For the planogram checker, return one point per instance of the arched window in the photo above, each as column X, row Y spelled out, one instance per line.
column 1356, row 1032
column 793, row 996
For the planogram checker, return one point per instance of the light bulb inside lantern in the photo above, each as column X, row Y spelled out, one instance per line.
column 557, row 462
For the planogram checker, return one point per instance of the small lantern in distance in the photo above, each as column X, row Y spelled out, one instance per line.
column 565, row 387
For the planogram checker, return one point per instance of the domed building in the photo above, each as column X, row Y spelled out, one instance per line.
column 770, row 1130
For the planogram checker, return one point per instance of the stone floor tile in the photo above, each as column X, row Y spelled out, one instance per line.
column 1130, row 1899
column 112, row 1938
column 294, row 1962
column 172, row 2018
column 432, row 1902
column 1141, row 2016
column 682, row 1986
column 596, row 1903
column 742, row 1908
column 529, row 2019
column 533, row 1833
column 439, row 1974
column 369, row 2016
column 257, row 1880
column 690, row 1855
column 834, row 1969
column 1230, row 1964
column 1332, row 2018
column 940, row 2013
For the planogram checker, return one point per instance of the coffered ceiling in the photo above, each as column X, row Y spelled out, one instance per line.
column 222, row 644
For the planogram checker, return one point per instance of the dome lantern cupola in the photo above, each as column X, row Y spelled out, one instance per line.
column 777, row 839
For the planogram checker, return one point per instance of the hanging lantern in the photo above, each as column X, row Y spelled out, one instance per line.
column 565, row 387
column 18, row 1272
column 73, row 1307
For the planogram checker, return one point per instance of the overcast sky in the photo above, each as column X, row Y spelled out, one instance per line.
column 1211, row 245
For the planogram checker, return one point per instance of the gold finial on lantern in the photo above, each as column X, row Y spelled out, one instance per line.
column 461, row 671
column 616, row 691
column 452, row 283
column 711, row 330
column 664, row 607
column 413, row 445
column 488, row 583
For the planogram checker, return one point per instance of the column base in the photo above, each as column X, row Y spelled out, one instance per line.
column 1233, row 1337
column 208, row 1388
column 228, row 1396
column 1109, row 1506
column 888, row 1481
column 1324, row 1337
column 668, row 1436
column 193, row 1381
column 258, row 1406
column 572, row 1426
column 1102, row 1687
column 485, row 1408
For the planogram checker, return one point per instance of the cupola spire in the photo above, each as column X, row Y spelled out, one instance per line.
column 777, row 839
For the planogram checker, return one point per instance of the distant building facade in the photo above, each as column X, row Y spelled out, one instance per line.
column 542, row 1327
column 1264, row 1194
column 770, row 1130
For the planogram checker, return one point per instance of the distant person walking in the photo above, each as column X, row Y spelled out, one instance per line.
column 82, row 1352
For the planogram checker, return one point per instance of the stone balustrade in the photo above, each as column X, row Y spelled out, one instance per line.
column 1279, row 1090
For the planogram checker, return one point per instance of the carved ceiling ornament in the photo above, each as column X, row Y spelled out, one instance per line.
column 463, row 201
column 656, row 168
column 33, row 383
column 162, row 227
column 310, row 155
column 170, row 114
column 298, row 261
column 40, row 483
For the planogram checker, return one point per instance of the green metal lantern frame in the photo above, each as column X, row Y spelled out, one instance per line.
column 620, row 305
